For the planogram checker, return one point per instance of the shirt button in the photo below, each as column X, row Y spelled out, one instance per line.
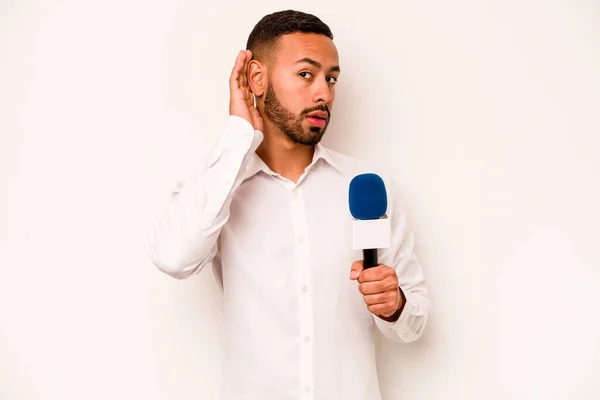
column 301, row 239
column 305, row 288
column 307, row 389
column 307, row 339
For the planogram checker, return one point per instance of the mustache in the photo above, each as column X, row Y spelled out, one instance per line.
column 322, row 107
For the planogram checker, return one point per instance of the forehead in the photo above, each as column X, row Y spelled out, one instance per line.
column 294, row 47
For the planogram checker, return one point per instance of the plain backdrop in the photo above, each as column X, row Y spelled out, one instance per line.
column 487, row 114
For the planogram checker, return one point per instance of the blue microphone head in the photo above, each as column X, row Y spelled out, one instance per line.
column 367, row 197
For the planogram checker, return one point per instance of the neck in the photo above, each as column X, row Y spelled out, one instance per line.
column 284, row 156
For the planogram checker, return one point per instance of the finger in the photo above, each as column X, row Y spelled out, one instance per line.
column 356, row 269
column 377, row 273
column 235, row 72
column 255, row 114
column 258, row 122
column 256, row 118
column 369, row 288
column 243, row 81
column 376, row 287
column 244, row 70
column 379, row 298
column 384, row 309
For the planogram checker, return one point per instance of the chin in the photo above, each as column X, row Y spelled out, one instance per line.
column 315, row 137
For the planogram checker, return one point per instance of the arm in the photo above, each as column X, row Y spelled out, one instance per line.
column 408, row 323
column 185, row 238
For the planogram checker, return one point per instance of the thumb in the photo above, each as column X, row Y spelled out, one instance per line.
column 357, row 267
column 257, row 121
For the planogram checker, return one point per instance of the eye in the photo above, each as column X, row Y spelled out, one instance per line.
column 305, row 74
column 332, row 80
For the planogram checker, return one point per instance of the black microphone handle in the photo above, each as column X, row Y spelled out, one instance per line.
column 370, row 258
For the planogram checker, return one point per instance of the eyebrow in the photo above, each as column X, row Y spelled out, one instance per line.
column 317, row 64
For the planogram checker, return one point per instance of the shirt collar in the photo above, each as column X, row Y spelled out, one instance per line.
column 256, row 164
column 324, row 153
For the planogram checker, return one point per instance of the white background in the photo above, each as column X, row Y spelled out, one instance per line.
column 486, row 113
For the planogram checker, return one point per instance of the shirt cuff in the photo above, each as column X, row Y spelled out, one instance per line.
column 400, row 327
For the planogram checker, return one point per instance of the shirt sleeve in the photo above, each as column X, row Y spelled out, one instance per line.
column 184, row 239
column 401, row 256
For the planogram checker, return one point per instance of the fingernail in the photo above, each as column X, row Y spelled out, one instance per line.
column 352, row 274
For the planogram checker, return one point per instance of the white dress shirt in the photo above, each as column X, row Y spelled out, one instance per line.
column 296, row 327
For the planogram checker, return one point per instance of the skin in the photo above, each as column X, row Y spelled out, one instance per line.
column 297, row 78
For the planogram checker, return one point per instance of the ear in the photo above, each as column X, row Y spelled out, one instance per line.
column 257, row 77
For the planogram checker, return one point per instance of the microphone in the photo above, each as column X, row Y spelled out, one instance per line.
column 371, row 228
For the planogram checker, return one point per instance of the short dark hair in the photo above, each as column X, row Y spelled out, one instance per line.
column 266, row 33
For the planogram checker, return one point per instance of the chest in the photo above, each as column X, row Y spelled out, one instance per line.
column 276, row 229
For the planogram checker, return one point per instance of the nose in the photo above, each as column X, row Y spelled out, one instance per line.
column 323, row 92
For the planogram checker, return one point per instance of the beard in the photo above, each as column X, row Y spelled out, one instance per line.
column 291, row 124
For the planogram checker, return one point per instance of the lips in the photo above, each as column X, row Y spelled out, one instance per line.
column 318, row 115
column 318, row 118
column 316, row 121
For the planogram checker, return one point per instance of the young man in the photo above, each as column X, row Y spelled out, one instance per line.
column 270, row 212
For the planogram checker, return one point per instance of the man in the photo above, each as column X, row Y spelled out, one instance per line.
column 270, row 212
